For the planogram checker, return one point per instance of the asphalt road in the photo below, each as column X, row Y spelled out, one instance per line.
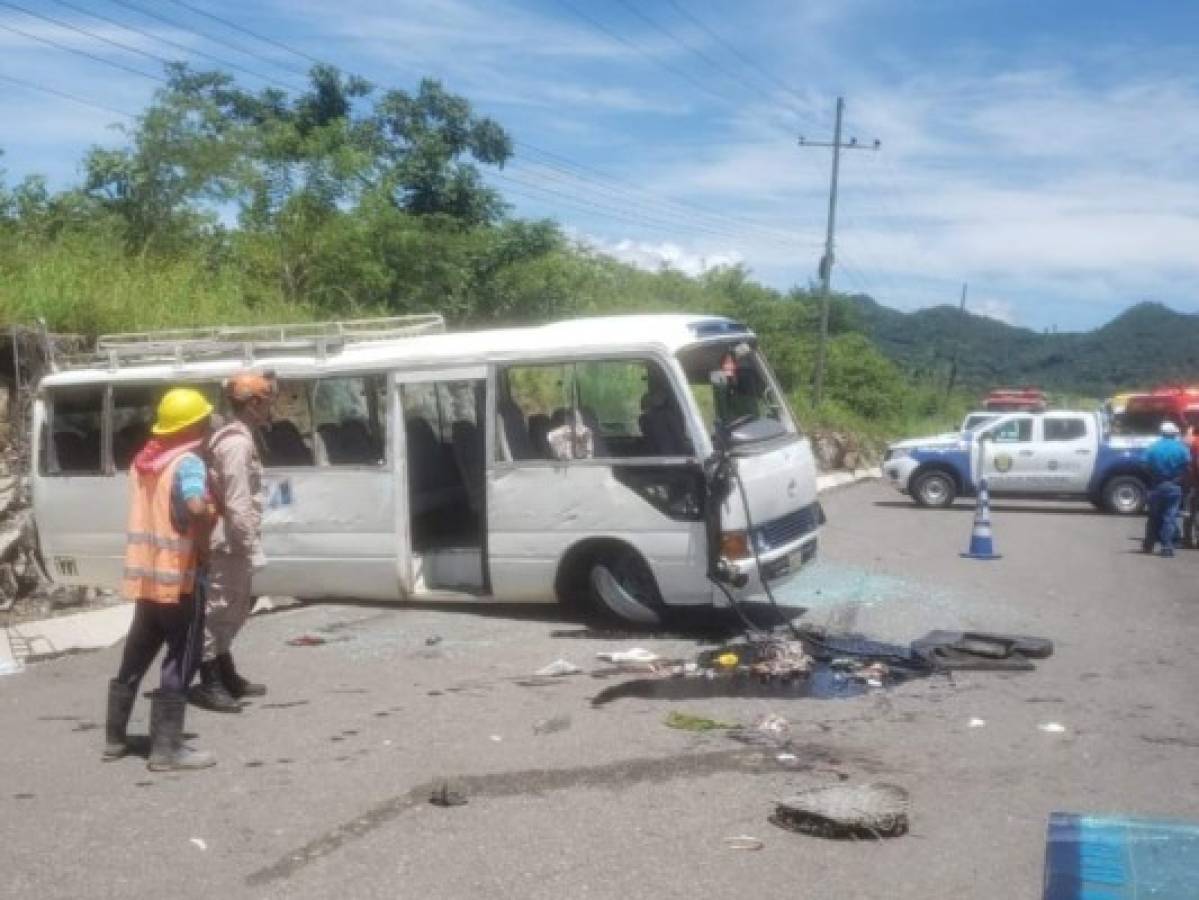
column 321, row 789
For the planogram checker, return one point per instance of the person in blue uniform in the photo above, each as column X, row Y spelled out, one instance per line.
column 1167, row 460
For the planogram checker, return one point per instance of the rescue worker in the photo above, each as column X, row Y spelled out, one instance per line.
column 1167, row 460
column 166, row 541
column 236, row 546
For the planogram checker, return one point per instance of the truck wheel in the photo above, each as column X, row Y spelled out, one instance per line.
column 934, row 490
column 1124, row 495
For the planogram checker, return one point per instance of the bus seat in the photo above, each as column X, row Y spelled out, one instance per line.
column 662, row 426
column 539, row 429
column 357, row 443
column 127, row 442
column 74, row 453
column 285, row 446
column 515, row 432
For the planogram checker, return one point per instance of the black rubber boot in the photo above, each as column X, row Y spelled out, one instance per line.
column 211, row 692
column 237, row 686
column 120, row 706
column 167, row 751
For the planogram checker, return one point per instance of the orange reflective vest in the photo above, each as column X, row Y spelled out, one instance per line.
column 160, row 562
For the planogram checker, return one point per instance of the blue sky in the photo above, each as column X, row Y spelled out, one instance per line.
column 1044, row 152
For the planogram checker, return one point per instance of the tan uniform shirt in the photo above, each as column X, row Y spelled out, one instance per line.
column 236, row 472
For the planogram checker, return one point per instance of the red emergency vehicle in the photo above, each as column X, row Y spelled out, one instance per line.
column 1144, row 413
column 1024, row 399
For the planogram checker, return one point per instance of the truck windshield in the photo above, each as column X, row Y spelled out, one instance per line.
column 734, row 387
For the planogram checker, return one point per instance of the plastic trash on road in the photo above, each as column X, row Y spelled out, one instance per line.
column 633, row 656
column 558, row 668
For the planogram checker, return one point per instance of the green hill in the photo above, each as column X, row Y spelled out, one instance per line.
column 1146, row 345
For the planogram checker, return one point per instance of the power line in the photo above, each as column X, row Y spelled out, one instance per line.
column 174, row 23
column 248, row 32
column 713, row 63
column 621, row 39
column 90, row 34
column 55, row 92
column 186, row 49
column 712, row 33
column 669, row 205
column 78, row 52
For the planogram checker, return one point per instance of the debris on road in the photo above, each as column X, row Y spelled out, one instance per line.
column 772, row 724
column 744, row 842
column 839, row 811
column 637, row 656
column 444, row 795
column 558, row 668
column 433, row 640
column 688, row 722
column 552, row 725
column 976, row 723
column 980, row 651
column 1052, row 727
column 199, row 842
column 307, row 640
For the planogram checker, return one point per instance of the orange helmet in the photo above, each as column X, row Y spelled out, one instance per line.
column 250, row 386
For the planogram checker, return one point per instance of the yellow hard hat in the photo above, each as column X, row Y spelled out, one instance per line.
column 180, row 408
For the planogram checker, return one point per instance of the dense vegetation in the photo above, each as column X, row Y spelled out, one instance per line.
column 1146, row 345
column 230, row 206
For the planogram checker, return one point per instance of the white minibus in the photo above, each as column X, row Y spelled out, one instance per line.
column 637, row 463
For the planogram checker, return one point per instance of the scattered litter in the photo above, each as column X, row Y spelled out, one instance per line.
column 387, row 743
column 433, row 640
column 558, row 668
column 307, row 640
column 1119, row 856
column 495, row 738
column 873, row 810
column 444, row 795
column 1052, row 727
column 552, row 725
column 728, row 660
column 976, row 723
column 687, row 722
column 743, row 842
column 11, row 667
column 199, row 842
column 635, row 655
column 787, row 757
column 772, row 724
column 874, row 674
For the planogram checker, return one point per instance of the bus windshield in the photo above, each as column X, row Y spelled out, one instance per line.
column 735, row 389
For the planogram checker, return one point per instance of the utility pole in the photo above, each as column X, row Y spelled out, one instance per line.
column 957, row 344
column 826, row 261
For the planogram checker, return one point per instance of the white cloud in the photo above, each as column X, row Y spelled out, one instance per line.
column 663, row 255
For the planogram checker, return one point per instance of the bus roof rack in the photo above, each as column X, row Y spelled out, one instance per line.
column 251, row 342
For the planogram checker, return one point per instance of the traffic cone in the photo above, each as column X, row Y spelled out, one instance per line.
column 981, row 545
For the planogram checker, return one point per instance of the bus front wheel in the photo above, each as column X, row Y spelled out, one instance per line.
column 622, row 587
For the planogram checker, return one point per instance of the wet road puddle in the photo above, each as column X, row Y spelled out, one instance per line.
column 822, row 683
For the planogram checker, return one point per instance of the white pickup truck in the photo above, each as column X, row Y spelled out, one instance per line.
column 1051, row 454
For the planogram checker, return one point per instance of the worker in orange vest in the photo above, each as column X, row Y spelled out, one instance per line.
column 170, row 517
column 236, row 545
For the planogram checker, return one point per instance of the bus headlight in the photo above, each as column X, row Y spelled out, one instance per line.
column 735, row 545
